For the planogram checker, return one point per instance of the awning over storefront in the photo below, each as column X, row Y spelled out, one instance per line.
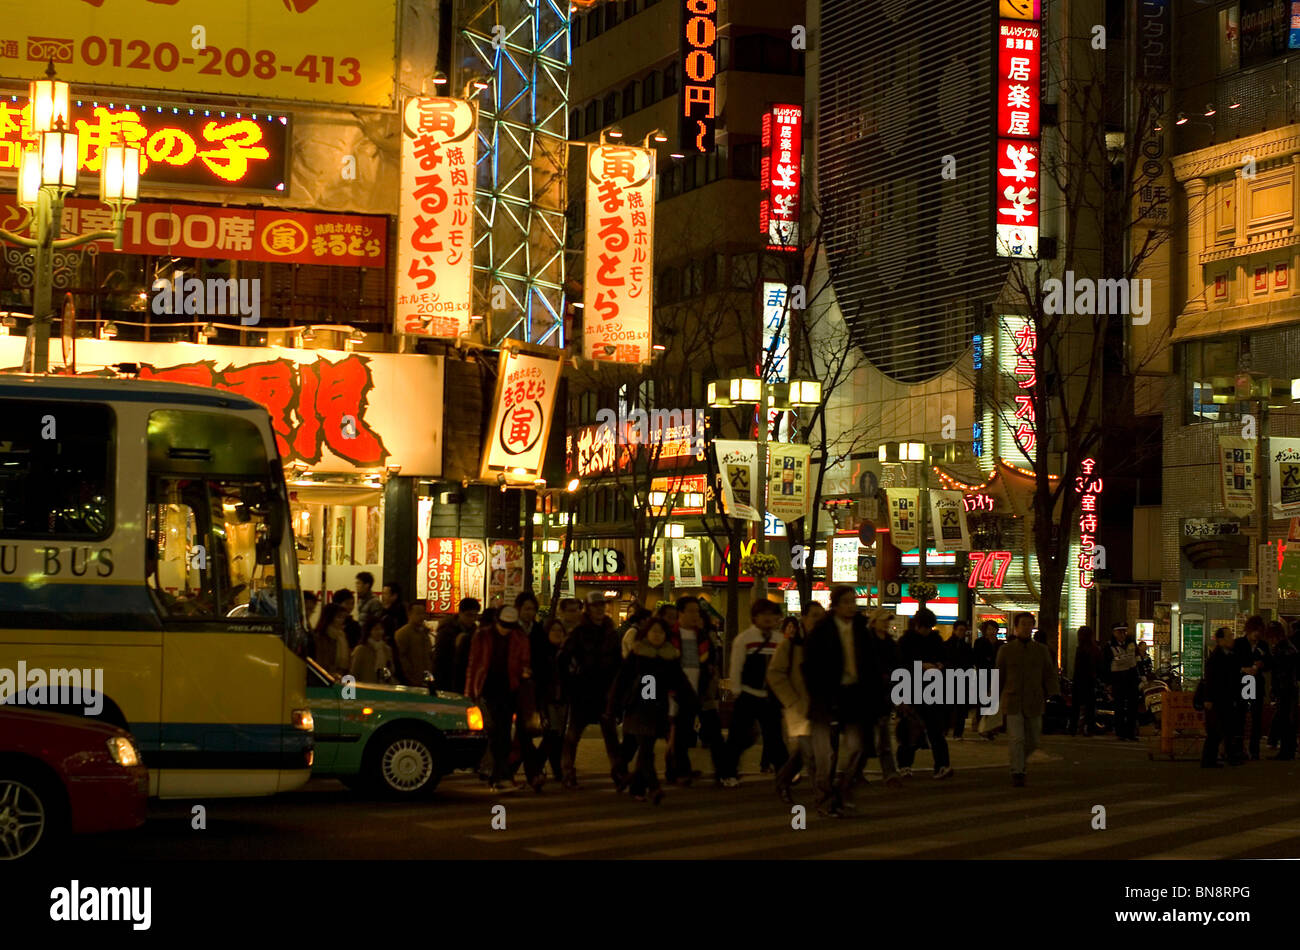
column 325, row 494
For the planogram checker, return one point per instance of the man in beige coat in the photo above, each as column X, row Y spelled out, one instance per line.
column 785, row 677
column 1028, row 676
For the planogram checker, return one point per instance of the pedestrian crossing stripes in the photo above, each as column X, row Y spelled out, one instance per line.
column 1230, row 845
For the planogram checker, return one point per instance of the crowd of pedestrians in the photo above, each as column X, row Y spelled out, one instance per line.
column 814, row 689
column 1242, row 675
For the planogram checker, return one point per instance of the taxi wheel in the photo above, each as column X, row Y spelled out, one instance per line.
column 403, row 763
column 32, row 814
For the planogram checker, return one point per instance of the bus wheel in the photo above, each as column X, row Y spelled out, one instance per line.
column 403, row 763
column 31, row 813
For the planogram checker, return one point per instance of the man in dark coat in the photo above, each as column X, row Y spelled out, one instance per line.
column 1119, row 669
column 1283, row 658
column 1221, row 691
column 595, row 651
column 444, row 644
column 923, row 646
column 1251, row 652
column 839, row 670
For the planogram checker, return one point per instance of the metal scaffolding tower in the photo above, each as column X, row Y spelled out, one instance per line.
column 521, row 48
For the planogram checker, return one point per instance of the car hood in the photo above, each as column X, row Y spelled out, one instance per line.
column 380, row 692
column 15, row 719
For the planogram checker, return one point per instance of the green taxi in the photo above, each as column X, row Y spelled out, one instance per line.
column 394, row 741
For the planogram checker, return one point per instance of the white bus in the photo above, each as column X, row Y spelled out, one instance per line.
column 144, row 532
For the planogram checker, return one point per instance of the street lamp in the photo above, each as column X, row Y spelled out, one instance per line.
column 749, row 390
column 914, row 452
column 46, row 175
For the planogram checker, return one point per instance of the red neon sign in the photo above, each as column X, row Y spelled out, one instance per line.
column 778, row 210
column 1016, row 160
column 1090, row 490
column 988, row 569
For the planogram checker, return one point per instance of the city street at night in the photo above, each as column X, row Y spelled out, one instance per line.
column 443, row 441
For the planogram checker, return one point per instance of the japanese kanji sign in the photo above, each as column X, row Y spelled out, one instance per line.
column 904, row 509
column 1089, row 486
column 787, row 476
column 1237, row 468
column 454, row 568
column 738, row 466
column 186, row 146
column 699, row 110
column 300, row 50
column 1022, row 341
column 948, row 518
column 778, row 209
column 620, row 254
column 1016, row 159
column 1284, row 476
column 336, row 411
column 240, row 234
column 435, row 243
column 527, row 378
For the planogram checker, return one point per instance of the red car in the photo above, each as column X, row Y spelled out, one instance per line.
column 61, row 773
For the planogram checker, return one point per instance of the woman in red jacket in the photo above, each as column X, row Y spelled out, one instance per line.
column 498, row 664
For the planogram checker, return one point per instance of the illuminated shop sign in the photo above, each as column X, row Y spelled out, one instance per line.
column 1089, row 486
column 1016, row 160
column 778, row 210
column 988, row 569
column 620, row 254
column 231, row 234
column 182, row 146
column 699, row 112
column 435, row 257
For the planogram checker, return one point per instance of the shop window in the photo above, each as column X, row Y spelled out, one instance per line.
column 629, row 98
column 57, row 488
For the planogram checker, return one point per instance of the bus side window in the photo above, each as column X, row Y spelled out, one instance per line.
column 178, row 549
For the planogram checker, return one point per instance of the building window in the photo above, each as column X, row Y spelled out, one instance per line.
column 575, row 124
column 744, row 271
column 690, row 167
column 670, row 80
column 609, row 113
column 575, row 31
column 593, row 23
column 629, row 8
column 694, row 279
column 670, row 284
column 612, row 16
column 712, row 267
column 629, row 98
column 1203, row 361
column 760, row 53
column 650, row 89
column 591, row 123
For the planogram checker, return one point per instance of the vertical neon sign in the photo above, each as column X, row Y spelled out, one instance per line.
column 1016, row 159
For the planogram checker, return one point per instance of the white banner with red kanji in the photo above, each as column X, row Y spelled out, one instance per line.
column 435, row 256
column 620, row 254
column 527, row 379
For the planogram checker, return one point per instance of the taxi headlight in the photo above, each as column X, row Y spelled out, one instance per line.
column 123, row 751
column 474, row 716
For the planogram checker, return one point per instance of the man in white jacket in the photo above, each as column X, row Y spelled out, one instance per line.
column 751, row 652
